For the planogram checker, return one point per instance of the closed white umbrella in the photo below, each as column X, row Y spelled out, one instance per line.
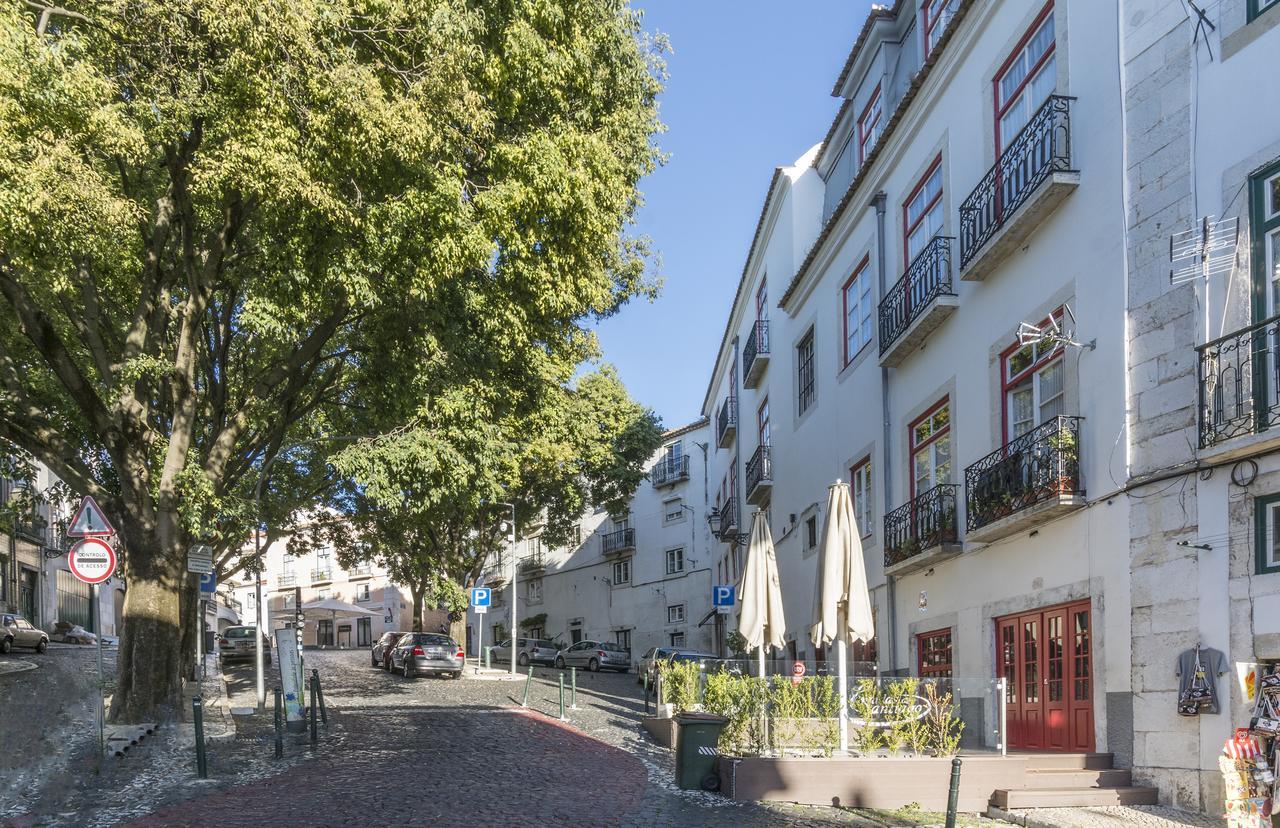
column 842, row 606
column 760, row 618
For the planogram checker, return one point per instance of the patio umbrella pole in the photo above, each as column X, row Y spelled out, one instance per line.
column 842, row 685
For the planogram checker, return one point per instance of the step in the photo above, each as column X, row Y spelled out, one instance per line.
column 1080, row 778
column 1067, row 761
column 1073, row 797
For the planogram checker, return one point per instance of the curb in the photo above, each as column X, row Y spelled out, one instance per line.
column 7, row 667
column 1027, row 822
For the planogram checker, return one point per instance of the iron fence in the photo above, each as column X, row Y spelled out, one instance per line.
column 927, row 521
column 1238, row 377
column 1042, row 464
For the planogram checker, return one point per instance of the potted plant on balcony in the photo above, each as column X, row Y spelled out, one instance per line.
column 1065, row 459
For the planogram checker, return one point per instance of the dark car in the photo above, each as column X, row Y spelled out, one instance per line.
column 417, row 653
column 237, row 644
column 16, row 631
column 380, row 655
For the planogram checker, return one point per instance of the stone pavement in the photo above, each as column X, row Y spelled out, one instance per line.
column 1143, row 816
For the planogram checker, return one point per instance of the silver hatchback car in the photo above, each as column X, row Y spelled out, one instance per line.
column 537, row 650
column 595, row 655
column 417, row 653
column 16, row 631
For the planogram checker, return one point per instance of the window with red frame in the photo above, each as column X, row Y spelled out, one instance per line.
column 870, row 125
column 922, row 214
column 937, row 16
column 856, row 301
column 762, row 300
column 1026, row 79
column 934, row 650
column 930, row 441
column 863, row 500
column 1032, row 381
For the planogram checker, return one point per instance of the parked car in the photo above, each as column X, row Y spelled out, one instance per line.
column 236, row 644
column 380, row 655
column 595, row 655
column 417, row 653
column 537, row 650
column 649, row 661
column 16, row 631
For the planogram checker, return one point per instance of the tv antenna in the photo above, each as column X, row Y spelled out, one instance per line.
column 1052, row 333
column 1204, row 251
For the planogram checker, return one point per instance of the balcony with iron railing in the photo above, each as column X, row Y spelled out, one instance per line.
column 918, row 303
column 1239, row 378
column 321, row 576
column 669, row 470
column 360, row 572
column 1032, row 176
column 534, row 564
column 287, row 580
column 727, row 422
column 923, row 531
column 759, row 477
column 619, row 541
column 726, row 528
column 1031, row 479
column 755, row 354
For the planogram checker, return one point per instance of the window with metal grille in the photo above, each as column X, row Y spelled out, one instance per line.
column 935, row 654
column 804, row 372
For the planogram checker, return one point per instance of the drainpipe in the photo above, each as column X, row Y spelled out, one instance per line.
column 886, row 474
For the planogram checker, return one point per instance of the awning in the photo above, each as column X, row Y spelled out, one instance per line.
column 707, row 617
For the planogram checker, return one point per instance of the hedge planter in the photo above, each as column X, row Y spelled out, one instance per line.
column 857, row 782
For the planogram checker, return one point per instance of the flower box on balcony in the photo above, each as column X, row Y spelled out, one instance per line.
column 922, row 532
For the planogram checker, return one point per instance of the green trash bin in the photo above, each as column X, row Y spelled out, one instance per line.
column 697, row 735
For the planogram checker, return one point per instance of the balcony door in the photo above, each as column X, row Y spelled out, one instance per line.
column 931, row 449
column 762, row 423
column 1046, row 660
column 1028, row 77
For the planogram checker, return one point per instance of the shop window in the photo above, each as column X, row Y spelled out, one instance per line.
column 934, row 651
column 1027, row 78
column 1267, row 534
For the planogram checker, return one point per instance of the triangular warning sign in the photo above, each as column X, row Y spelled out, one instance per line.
column 89, row 521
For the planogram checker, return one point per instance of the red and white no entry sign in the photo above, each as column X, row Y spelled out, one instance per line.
column 92, row 561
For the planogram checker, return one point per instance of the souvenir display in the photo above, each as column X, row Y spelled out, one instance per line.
column 1250, row 761
column 1198, row 670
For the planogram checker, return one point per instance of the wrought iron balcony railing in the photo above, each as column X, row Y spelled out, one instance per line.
column 321, row 575
column 1041, row 465
column 927, row 277
column 619, row 541
column 727, row 528
column 533, row 563
column 1239, row 385
column 361, row 571
column 727, row 422
column 287, row 579
column 670, row 469
column 755, row 352
column 1040, row 148
column 759, row 474
column 927, row 521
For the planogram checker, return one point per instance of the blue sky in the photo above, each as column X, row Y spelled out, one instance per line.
column 749, row 90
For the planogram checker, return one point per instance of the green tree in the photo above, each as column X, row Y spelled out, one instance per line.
column 226, row 227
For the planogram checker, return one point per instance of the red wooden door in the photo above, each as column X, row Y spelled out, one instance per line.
column 1045, row 657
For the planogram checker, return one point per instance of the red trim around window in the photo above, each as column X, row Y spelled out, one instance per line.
column 930, row 25
column 844, row 306
column 864, row 128
column 1002, row 108
column 934, row 642
column 907, row 228
column 913, row 447
column 853, row 478
column 1007, row 382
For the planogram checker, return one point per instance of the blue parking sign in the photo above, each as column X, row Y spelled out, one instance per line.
column 722, row 596
column 208, row 585
column 481, row 596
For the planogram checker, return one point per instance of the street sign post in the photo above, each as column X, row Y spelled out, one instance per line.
column 93, row 561
column 208, row 586
column 480, row 600
column 722, row 598
column 89, row 521
column 200, row 559
column 290, row 660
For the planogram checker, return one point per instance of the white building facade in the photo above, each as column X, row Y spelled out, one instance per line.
column 961, row 303
column 640, row 580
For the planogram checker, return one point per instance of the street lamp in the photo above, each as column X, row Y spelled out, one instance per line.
column 715, row 518
column 510, row 533
column 257, row 549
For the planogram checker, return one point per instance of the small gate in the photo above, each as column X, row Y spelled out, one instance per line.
column 74, row 601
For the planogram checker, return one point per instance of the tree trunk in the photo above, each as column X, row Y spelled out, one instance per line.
column 188, row 612
column 149, row 661
column 417, row 591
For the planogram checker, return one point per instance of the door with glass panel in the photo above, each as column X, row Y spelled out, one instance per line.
column 1045, row 658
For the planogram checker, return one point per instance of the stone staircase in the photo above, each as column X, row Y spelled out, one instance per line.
column 1071, row 780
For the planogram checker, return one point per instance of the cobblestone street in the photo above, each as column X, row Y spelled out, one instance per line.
column 433, row 751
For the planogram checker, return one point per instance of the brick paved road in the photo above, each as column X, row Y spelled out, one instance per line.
column 439, row 752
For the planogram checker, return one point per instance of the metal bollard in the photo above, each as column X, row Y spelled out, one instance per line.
column 315, row 733
column 202, row 765
column 644, row 680
column 319, row 692
column 953, row 796
column 562, row 716
column 573, row 692
column 525, row 702
column 488, row 658
column 279, row 723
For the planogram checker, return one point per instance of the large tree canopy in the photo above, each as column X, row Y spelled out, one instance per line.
column 226, row 227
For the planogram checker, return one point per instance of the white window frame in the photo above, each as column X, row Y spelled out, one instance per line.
column 622, row 572
column 857, row 304
column 675, row 555
column 675, row 614
column 363, row 593
column 863, row 496
column 668, row 516
column 533, row 591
